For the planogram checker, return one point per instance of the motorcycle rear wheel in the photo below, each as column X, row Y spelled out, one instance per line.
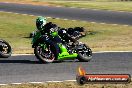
column 5, row 49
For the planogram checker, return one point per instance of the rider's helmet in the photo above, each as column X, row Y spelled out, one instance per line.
column 40, row 22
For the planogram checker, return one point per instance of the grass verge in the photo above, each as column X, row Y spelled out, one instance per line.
column 116, row 5
column 68, row 85
column 15, row 29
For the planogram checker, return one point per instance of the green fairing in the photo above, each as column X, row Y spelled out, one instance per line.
column 65, row 54
column 62, row 48
column 54, row 34
column 36, row 37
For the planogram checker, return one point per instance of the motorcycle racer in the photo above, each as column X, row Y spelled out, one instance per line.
column 43, row 33
column 51, row 43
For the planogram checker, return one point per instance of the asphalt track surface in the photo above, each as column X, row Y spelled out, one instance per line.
column 29, row 69
column 70, row 13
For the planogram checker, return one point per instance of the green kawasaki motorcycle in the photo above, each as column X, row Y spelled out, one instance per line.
column 46, row 52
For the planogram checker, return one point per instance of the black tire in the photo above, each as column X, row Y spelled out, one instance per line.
column 81, row 80
column 5, row 53
column 40, row 55
column 84, row 51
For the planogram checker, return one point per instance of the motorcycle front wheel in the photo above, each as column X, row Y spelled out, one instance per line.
column 84, row 53
column 44, row 55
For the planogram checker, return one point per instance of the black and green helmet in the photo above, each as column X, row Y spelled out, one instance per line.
column 40, row 22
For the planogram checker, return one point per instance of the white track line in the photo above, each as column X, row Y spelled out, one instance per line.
column 74, row 20
column 115, row 24
column 111, row 51
column 125, row 25
column 36, row 82
column 72, row 7
column 18, row 13
column 83, row 8
column 70, row 80
column 3, row 84
column 54, row 81
column 48, row 17
column 65, row 19
column 95, row 9
column 57, row 18
column 93, row 52
column 122, row 11
column 31, row 15
column 93, row 22
column 58, row 6
column 102, row 23
column 16, row 83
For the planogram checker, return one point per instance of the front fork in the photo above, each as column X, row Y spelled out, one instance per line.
column 44, row 47
column 64, row 54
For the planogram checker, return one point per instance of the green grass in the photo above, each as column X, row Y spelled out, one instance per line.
column 15, row 29
column 116, row 6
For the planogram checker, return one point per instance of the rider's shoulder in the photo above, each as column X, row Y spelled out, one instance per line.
column 51, row 24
